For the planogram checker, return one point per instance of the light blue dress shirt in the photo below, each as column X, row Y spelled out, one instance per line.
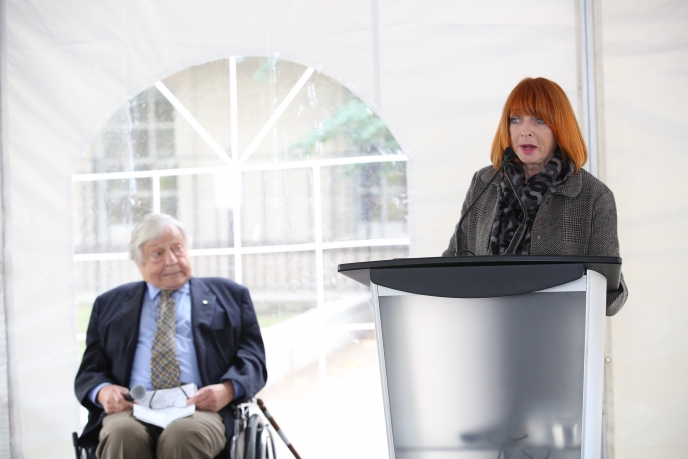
column 186, row 351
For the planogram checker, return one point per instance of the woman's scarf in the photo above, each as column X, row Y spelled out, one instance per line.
column 532, row 192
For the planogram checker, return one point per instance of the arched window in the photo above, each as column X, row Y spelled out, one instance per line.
column 279, row 174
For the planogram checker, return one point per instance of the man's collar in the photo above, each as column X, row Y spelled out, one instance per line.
column 153, row 290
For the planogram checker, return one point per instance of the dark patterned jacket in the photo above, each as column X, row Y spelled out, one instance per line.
column 578, row 219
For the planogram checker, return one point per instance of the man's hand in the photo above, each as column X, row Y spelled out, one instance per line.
column 112, row 399
column 213, row 397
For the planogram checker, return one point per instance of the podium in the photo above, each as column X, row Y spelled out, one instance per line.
column 491, row 356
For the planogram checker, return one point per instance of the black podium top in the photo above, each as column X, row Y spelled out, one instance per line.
column 481, row 276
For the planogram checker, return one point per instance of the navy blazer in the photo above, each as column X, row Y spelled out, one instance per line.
column 225, row 333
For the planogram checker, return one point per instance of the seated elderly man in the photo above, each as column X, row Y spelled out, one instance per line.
column 207, row 327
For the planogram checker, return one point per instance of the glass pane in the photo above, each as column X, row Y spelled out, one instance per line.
column 213, row 266
column 282, row 285
column 364, row 201
column 106, row 212
column 277, row 207
column 146, row 134
column 204, row 92
column 201, row 203
column 339, row 287
column 96, row 277
column 262, row 85
column 325, row 120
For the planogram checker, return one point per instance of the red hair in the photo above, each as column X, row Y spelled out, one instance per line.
column 546, row 100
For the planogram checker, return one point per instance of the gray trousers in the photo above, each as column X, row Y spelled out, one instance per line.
column 199, row 436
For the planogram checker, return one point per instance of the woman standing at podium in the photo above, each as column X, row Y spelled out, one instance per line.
column 562, row 210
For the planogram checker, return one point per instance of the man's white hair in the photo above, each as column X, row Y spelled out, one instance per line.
column 148, row 229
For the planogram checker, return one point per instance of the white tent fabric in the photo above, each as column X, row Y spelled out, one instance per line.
column 645, row 62
column 438, row 73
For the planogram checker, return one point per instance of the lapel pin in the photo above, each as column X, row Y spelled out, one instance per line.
column 205, row 301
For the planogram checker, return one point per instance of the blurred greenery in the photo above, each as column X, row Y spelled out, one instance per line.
column 273, row 312
column 264, row 70
column 362, row 131
column 83, row 314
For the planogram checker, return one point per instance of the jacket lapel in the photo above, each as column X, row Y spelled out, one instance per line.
column 131, row 321
column 573, row 185
column 202, row 306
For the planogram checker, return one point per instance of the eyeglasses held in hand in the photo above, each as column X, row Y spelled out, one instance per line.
column 169, row 399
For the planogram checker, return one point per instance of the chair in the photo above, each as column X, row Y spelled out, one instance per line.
column 83, row 451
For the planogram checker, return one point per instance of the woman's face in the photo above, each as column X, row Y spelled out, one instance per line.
column 533, row 141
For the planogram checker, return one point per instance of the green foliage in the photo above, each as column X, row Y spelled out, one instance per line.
column 357, row 126
column 263, row 71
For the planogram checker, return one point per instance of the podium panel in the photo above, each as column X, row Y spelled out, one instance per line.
column 470, row 377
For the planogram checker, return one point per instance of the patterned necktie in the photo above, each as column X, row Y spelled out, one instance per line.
column 164, row 363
